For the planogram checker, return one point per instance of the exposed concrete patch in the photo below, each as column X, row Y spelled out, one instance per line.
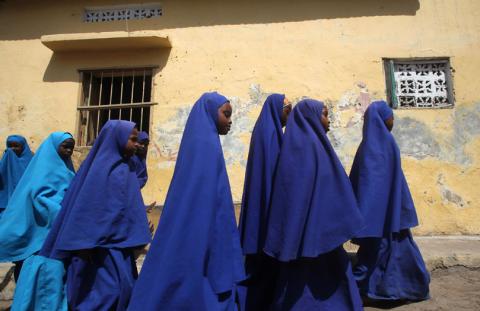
column 449, row 195
column 415, row 139
column 346, row 121
column 466, row 126
column 168, row 134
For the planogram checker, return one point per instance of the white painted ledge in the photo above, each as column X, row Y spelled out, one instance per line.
column 105, row 41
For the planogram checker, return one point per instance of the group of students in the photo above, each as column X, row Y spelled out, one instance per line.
column 75, row 237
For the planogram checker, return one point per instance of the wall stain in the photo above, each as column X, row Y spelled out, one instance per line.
column 449, row 195
column 414, row 137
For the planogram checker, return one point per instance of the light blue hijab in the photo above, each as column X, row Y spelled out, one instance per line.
column 12, row 168
column 36, row 201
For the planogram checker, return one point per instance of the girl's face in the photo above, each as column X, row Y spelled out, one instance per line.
column 224, row 119
column 324, row 119
column 132, row 144
column 389, row 123
column 142, row 148
column 16, row 147
column 287, row 108
column 65, row 150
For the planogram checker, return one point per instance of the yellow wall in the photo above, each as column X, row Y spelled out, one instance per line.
column 329, row 50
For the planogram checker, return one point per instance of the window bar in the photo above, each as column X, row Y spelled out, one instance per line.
column 133, row 86
column 121, row 98
column 393, row 86
column 143, row 86
column 85, row 134
column 99, row 103
column 141, row 119
column 143, row 99
column 131, row 95
column 111, row 95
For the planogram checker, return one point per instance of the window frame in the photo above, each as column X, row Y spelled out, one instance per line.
column 81, row 107
column 390, row 83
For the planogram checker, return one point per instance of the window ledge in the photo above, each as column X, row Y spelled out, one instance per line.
column 105, row 41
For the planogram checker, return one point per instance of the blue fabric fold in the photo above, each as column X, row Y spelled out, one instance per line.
column 12, row 168
column 101, row 222
column 103, row 206
column 261, row 165
column 195, row 259
column 35, row 202
column 265, row 143
column 392, row 268
column 390, row 265
column 103, row 282
column 40, row 286
column 325, row 283
column 378, row 180
column 313, row 208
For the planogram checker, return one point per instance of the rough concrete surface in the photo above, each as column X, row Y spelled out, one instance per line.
column 454, row 262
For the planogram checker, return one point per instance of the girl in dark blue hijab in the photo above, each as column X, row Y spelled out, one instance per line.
column 101, row 223
column 313, row 212
column 140, row 158
column 390, row 266
column 195, row 259
column 267, row 135
column 12, row 165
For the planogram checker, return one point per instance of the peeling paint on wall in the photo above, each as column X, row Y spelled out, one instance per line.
column 235, row 144
column 447, row 194
column 415, row 139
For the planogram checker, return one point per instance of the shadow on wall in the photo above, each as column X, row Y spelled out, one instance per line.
column 31, row 19
column 64, row 66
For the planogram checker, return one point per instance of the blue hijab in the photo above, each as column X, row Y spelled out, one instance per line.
column 140, row 162
column 377, row 178
column 262, row 161
column 35, row 202
column 104, row 206
column 12, row 168
column 196, row 243
column 313, row 207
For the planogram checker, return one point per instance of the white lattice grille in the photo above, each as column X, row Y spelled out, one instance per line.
column 118, row 13
column 421, row 84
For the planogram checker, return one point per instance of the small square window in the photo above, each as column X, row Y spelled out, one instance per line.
column 419, row 83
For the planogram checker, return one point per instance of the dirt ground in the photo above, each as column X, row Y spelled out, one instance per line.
column 452, row 289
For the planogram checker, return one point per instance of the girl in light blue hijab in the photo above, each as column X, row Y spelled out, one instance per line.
column 33, row 207
column 12, row 165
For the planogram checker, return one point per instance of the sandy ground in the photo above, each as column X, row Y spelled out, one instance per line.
column 452, row 289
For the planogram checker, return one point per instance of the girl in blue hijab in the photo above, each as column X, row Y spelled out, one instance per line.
column 390, row 266
column 101, row 223
column 34, row 204
column 12, row 165
column 267, row 136
column 140, row 158
column 312, row 213
column 195, row 259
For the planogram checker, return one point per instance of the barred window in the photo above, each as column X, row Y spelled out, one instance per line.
column 419, row 83
column 114, row 94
